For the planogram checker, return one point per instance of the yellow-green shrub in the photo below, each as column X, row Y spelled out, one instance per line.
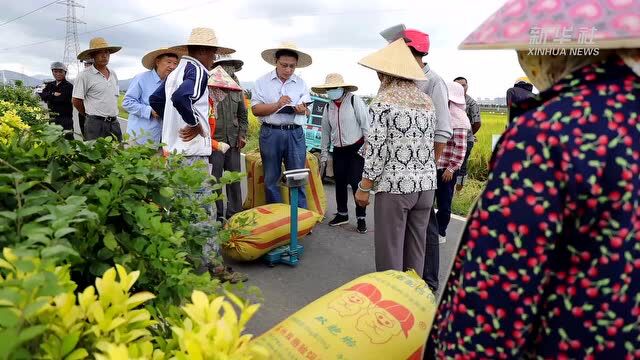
column 41, row 317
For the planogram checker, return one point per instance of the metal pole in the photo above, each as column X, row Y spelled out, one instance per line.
column 293, row 245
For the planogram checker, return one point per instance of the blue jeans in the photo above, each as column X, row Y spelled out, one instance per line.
column 276, row 146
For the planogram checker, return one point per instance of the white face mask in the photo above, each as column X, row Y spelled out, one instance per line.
column 335, row 94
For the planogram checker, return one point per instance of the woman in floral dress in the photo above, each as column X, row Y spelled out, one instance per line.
column 549, row 264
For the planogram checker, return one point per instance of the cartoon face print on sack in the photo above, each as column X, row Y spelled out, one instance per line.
column 355, row 299
column 385, row 320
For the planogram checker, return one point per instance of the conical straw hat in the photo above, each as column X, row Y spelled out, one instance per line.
column 333, row 80
column 304, row 59
column 218, row 78
column 395, row 60
column 97, row 44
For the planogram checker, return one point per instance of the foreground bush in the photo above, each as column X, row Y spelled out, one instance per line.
column 41, row 317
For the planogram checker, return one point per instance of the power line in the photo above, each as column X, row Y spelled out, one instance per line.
column 192, row 6
column 29, row 13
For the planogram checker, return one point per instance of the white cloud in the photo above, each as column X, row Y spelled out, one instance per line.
column 336, row 33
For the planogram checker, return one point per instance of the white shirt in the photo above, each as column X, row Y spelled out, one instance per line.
column 268, row 90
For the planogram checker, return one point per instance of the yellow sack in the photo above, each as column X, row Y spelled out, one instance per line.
column 316, row 198
column 271, row 227
column 384, row 315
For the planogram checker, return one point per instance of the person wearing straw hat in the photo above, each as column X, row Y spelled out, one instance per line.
column 345, row 123
column 228, row 120
column 280, row 99
column 57, row 95
column 548, row 264
column 452, row 157
column 230, row 65
column 419, row 43
column 144, row 123
column 96, row 92
column 182, row 101
column 399, row 160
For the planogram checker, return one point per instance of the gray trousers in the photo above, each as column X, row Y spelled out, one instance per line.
column 401, row 230
column 96, row 128
column 229, row 161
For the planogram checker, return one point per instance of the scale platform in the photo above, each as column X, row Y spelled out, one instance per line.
column 283, row 255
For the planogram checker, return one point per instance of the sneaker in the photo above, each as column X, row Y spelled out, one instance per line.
column 442, row 239
column 339, row 220
column 362, row 226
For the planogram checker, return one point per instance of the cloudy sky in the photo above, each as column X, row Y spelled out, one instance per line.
column 336, row 33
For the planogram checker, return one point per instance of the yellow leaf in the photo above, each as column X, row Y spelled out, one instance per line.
column 138, row 299
column 9, row 255
column 6, row 265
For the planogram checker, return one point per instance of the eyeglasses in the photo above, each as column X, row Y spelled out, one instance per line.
column 292, row 66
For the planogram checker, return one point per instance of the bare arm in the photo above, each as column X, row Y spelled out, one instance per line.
column 439, row 148
column 79, row 105
column 476, row 127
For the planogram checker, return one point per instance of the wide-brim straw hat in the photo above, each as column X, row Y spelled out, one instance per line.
column 149, row 60
column 97, row 44
column 304, row 59
column 395, row 60
column 218, row 78
column 333, row 80
column 533, row 24
column 236, row 63
column 207, row 37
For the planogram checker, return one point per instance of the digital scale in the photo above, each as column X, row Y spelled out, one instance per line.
column 290, row 254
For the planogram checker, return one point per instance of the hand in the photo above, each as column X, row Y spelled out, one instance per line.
column 362, row 198
column 301, row 109
column 57, row 94
column 188, row 133
column 284, row 100
column 154, row 114
column 447, row 176
column 241, row 142
column 323, row 167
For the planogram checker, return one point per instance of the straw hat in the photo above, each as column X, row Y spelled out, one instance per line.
column 218, row 78
column 149, row 60
column 333, row 80
column 521, row 25
column 236, row 63
column 395, row 60
column 304, row 59
column 207, row 37
column 523, row 79
column 456, row 93
column 97, row 44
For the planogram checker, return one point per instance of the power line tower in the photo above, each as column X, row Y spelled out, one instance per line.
column 71, row 46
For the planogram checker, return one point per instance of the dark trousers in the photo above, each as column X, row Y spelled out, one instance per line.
column 276, row 146
column 97, row 128
column 347, row 170
column 432, row 253
column 67, row 125
column 229, row 161
column 444, row 196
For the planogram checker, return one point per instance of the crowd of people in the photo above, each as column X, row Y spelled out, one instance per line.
column 548, row 264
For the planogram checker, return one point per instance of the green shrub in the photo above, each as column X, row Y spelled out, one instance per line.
column 95, row 204
column 42, row 318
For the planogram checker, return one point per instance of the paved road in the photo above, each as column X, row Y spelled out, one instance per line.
column 333, row 256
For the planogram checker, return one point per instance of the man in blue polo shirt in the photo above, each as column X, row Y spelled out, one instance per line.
column 280, row 100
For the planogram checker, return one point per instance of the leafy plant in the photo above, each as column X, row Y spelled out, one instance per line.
column 95, row 204
column 40, row 317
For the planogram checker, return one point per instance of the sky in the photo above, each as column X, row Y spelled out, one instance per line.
column 335, row 33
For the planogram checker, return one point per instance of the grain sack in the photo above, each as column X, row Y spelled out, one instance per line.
column 269, row 227
column 384, row 315
column 316, row 198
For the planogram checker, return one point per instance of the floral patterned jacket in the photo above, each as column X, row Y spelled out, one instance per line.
column 549, row 264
